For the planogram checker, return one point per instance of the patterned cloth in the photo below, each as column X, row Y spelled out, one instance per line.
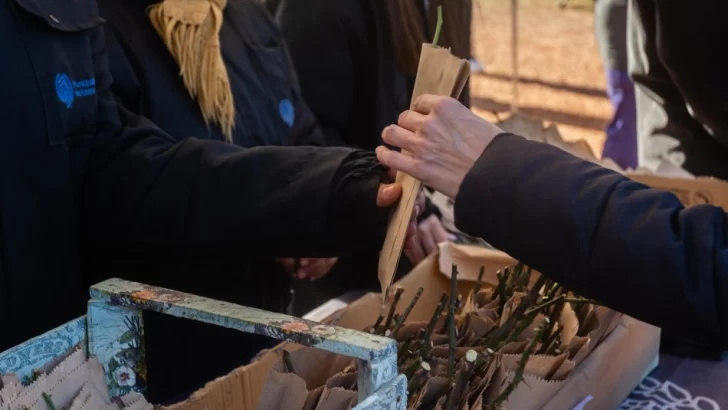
column 682, row 384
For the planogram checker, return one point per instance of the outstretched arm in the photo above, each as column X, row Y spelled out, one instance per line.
column 633, row 248
column 141, row 191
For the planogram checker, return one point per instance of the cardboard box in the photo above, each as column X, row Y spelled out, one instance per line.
column 608, row 374
column 689, row 189
column 695, row 191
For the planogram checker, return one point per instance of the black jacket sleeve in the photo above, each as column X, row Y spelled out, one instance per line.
column 141, row 191
column 327, row 88
column 636, row 249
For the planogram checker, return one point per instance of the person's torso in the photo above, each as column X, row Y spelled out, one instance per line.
column 256, row 62
column 49, row 113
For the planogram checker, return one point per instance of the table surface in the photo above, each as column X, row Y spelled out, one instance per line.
column 683, row 383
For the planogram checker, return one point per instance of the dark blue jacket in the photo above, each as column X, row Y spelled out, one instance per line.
column 264, row 85
column 636, row 249
column 79, row 174
column 262, row 78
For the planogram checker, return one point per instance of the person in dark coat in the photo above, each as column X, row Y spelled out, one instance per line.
column 82, row 177
column 680, row 84
column 266, row 110
column 636, row 249
column 357, row 62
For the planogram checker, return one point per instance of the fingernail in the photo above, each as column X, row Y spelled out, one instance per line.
column 388, row 190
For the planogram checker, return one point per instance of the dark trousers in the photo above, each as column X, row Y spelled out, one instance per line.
column 677, row 62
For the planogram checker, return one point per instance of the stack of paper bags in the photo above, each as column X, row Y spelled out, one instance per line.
column 71, row 382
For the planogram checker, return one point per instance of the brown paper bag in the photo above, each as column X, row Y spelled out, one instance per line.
column 346, row 381
column 333, row 399
column 438, row 73
column 96, row 402
column 62, row 369
column 546, row 367
column 282, row 391
column 469, row 259
column 532, row 393
column 410, row 330
column 70, row 385
column 314, row 366
column 433, row 389
column 313, row 399
column 9, row 378
column 477, row 327
column 514, row 347
column 83, row 397
column 569, row 324
column 139, row 404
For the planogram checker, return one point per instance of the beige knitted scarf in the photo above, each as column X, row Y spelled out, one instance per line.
column 191, row 31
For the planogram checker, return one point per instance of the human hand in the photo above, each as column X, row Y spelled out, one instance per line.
column 308, row 268
column 443, row 138
column 429, row 234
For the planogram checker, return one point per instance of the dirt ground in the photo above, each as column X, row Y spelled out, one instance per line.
column 561, row 74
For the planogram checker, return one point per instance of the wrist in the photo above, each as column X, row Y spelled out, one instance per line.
column 353, row 208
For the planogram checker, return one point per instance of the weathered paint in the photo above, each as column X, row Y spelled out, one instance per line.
column 23, row 359
column 334, row 339
column 392, row 396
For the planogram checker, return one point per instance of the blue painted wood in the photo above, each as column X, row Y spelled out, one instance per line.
column 116, row 338
column 377, row 354
column 391, row 396
column 334, row 339
column 23, row 359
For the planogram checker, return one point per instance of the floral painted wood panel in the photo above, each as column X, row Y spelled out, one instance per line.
column 116, row 338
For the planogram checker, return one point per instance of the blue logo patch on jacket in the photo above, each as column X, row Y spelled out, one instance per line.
column 287, row 111
column 68, row 90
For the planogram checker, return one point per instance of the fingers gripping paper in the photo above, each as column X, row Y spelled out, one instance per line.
column 439, row 73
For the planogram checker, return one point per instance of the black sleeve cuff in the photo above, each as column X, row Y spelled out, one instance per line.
column 354, row 211
column 469, row 203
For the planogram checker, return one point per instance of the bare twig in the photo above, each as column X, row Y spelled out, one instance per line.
column 427, row 336
column 479, row 283
column 451, row 321
column 397, row 294
column 406, row 313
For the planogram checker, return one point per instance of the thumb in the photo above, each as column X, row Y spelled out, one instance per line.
column 388, row 194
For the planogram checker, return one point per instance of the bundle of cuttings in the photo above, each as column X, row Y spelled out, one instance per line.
column 508, row 346
column 70, row 382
